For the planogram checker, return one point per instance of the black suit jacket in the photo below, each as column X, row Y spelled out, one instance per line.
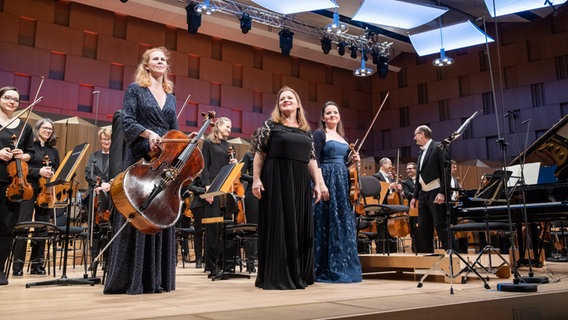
column 432, row 168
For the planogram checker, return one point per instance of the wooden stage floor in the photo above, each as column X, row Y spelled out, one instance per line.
column 377, row 297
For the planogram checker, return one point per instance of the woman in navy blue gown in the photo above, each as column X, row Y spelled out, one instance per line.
column 335, row 244
column 138, row 262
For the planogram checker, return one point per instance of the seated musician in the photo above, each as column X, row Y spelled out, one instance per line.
column 385, row 174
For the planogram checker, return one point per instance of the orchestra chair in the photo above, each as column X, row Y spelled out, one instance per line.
column 486, row 227
column 33, row 231
column 240, row 234
column 78, row 236
column 372, row 195
column 183, row 234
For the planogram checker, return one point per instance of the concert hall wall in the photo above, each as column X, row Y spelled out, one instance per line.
column 81, row 50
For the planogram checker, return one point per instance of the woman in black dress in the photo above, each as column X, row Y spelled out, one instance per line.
column 44, row 145
column 9, row 102
column 215, row 152
column 284, row 168
column 138, row 262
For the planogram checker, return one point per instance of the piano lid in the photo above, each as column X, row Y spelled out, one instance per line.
column 549, row 149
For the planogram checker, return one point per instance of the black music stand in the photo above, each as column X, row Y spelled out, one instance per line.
column 64, row 176
column 489, row 194
column 445, row 145
column 222, row 185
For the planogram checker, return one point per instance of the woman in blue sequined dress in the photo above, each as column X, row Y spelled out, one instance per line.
column 335, row 244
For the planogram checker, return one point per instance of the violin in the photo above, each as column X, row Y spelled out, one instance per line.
column 239, row 191
column 19, row 189
column 148, row 193
column 44, row 197
column 102, row 214
column 186, row 203
column 355, row 188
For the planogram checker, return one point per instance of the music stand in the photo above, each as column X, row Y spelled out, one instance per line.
column 222, row 185
column 488, row 194
column 64, row 176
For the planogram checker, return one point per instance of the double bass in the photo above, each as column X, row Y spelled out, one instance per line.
column 148, row 193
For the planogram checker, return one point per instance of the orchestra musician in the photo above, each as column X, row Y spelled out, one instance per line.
column 197, row 207
column 24, row 150
column 285, row 166
column 98, row 177
column 215, row 156
column 336, row 259
column 408, row 187
column 251, row 205
column 385, row 174
column 430, row 191
column 138, row 262
column 44, row 146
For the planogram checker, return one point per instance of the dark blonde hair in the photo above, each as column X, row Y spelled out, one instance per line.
column 278, row 117
column 142, row 75
column 215, row 135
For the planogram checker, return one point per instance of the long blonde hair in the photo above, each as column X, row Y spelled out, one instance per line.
column 215, row 135
column 278, row 117
column 142, row 76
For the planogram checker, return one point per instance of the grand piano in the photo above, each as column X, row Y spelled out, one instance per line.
column 544, row 201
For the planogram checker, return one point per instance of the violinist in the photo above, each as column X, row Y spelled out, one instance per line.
column 215, row 155
column 385, row 174
column 10, row 126
column 97, row 175
column 44, row 146
column 138, row 262
column 336, row 259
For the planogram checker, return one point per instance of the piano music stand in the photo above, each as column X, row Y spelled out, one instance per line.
column 222, row 185
column 488, row 194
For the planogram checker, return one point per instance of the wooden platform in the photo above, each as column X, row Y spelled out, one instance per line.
column 197, row 297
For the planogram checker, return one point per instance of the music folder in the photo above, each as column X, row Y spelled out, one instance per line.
column 223, row 182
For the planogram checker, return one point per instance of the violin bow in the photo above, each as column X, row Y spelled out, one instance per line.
column 373, row 122
column 183, row 106
column 29, row 110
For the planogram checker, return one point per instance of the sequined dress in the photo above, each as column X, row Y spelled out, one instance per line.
column 336, row 258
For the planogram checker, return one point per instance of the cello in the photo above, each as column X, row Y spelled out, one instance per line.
column 398, row 223
column 148, row 193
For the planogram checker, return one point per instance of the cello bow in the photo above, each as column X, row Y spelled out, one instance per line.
column 183, row 106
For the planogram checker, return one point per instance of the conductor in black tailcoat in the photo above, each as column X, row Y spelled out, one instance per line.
column 430, row 191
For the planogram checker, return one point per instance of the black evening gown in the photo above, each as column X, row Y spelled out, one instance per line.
column 142, row 263
column 286, row 235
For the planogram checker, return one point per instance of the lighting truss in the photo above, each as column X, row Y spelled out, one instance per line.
column 281, row 21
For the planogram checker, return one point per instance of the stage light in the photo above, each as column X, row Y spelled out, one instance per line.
column 325, row 45
column 205, row 7
column 363, row 71
column 341, row 48
column 246, row 23
column 336, row 27
column 353, row 50
column 124, row 1
column 193, row 18
column 443, row 60
column 382, row 66
column 286, row 38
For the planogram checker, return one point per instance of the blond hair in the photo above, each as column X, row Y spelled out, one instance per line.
column 215, row 135
column 278, row 117
column 142, row 76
